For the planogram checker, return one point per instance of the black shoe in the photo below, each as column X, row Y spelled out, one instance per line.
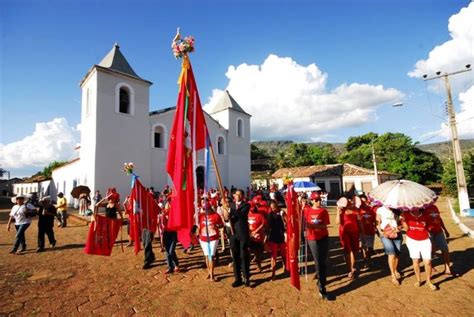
column 12, row 251
column 146, row 266
column 39, row 250
column 247, row 282
column 323, row 295
column 53, row 244
column 237, row 283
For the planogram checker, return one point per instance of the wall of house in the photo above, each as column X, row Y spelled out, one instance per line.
column 361, row 183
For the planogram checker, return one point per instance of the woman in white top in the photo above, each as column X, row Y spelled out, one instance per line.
column 389, row 226
column 22, row 222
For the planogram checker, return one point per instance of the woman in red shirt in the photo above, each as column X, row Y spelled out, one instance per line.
column 209, row 223
column 317, row 220
column 418, row 243
column 367, row 235
column 348, row 219
column 257, row 234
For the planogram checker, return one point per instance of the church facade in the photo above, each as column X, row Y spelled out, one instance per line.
column 118, row 127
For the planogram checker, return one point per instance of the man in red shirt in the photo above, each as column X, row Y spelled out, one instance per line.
column 257, row 224
column 438, row 234
column 367, row 218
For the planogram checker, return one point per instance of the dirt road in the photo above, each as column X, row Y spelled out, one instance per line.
column 65, row 281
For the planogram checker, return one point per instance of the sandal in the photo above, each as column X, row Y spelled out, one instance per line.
column 398, row 275
column 432, row 286
column 417, row 284
column 350, row 275
column 395, row 282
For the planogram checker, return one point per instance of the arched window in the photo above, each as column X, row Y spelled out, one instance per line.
column 220, row 145
column 158, row 137
column 124, row 101
column 240, row 128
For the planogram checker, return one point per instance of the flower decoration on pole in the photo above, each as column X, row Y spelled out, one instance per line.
column 181, row 47
column 288, row 179
column 128, row 168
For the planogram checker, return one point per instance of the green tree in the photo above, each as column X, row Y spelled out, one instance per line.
column 319, row 155
column 48, row 170
column 396, row 153
column 449, row 179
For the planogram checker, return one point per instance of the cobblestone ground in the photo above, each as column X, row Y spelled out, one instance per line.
column 65, row 281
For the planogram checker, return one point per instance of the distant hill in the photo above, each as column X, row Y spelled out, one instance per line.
column 443, row 150
column 272, row 147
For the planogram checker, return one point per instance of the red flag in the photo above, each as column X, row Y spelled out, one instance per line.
column 102, row 234
column 142, row 211
column 188, row 135
column 293, row 235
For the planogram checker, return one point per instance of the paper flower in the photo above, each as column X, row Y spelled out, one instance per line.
column 288, row 179
column 181, row 47
column 128, row 168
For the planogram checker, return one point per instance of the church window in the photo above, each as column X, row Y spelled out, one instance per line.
column 158, row 137
column 124, row 100
column 220, row 145
column 240, row 128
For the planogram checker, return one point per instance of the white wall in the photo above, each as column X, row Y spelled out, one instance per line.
column 65, row 178
column 121, row 137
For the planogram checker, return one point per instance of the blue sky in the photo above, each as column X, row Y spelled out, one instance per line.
column 48, row 46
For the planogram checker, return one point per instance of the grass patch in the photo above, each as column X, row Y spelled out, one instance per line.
column 23, row 275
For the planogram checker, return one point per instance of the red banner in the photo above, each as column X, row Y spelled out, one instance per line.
column 188, row 135
column 142, row 211
column 293, row 235
column 102, row 234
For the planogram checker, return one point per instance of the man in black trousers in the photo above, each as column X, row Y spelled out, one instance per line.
column 239, row 239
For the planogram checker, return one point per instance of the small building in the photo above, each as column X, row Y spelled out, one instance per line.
column 6, row 185
column 35, row 184
column 335, row 179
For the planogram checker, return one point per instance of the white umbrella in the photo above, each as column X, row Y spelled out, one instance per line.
column 403, row 194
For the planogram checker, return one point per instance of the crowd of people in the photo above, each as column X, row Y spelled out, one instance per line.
column 252, row 224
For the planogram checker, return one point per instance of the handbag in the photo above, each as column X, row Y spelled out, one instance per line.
column 390, row 232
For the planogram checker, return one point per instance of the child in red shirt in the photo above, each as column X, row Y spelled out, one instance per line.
column 257, row 235
column 367, row 235
column 438, row 235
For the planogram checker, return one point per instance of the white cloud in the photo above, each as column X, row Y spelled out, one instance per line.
column 291, row 101
column 54, row 140
column 453, row 55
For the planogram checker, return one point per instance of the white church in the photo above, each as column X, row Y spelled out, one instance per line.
column 117, row 127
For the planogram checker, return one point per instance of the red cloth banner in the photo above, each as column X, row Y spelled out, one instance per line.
column 102, row 235
column 293, row 235
column 142, row 210
column 188, row 135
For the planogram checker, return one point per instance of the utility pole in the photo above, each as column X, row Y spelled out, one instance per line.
column 375, row 165
column 460, row 177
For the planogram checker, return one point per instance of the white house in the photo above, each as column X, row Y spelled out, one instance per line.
column 117, row 127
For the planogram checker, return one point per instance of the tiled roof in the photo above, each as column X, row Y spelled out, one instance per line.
column 326, row 171
column 354, row 170
column 310, row 171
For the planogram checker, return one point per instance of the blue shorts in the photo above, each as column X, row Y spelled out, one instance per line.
column 392, row 246
column 438, row 241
